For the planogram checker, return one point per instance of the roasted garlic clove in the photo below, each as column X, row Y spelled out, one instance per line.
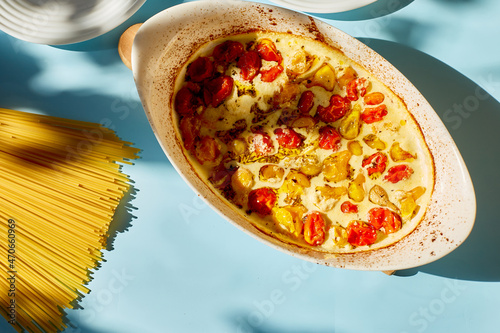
column 379, row 196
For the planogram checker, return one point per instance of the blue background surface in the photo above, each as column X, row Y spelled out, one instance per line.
column 174, row 265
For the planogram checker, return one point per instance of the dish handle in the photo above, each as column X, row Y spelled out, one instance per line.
column 125, row 44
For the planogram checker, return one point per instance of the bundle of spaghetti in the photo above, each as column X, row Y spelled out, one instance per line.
column 60, row 184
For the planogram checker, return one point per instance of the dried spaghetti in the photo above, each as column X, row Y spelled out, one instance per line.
column 60, row 183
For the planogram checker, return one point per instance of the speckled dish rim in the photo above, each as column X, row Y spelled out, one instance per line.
column 165, row 41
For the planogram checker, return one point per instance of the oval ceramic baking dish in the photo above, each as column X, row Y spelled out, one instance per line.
column 165, row 42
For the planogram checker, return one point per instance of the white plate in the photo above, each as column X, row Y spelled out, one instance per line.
column 323, row 6
column 57, row 22
column 166, row 40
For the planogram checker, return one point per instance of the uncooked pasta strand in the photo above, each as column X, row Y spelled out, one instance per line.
column 60, row 183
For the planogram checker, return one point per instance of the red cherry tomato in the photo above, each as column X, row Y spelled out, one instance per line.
column 262, row 200
column 360, row 233
column 306, row 102
column 262, row 144
column 374, row 98
column 267, row 51
column 375, row 163
column 288, row 138
column 329, row 138
column 355, row 87
column 383, row 217
column 207, row 150
column 194, row 87
column 398, row 173
column 348, row 207
column 269, row 75
column 314, row 229
column 200, row 69
column 337, row 108
column 228, row 51
column 217, row 90
column 190, row 130
column 186, row 102
column 371, row 115
column 249, row 64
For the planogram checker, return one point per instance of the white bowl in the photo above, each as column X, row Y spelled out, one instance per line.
column 56, row 22
column 164, row 43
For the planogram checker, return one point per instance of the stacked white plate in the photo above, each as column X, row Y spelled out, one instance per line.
column 57, row 22
column 323, row 6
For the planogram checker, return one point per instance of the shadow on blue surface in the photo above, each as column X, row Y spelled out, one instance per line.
column 79, row 328
column 242, row 324
column 123, row 114
column 472, row 116
column 377, row 9
column 122, row 220
column 110, row 39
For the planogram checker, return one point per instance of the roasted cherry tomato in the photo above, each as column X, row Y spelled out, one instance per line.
column 383, row 217
column 288, row 138
column 190, row 130
column 249, row 64
column 398, row 173
column 262, row 200
column 194, row 87
column 217, row 90
column 267, row 50
column 207, row 150
column 262, row 144
column 374, row 98
column 375, row 163
column 200, row 69
column 371, row 115
column 337, row 108
column 348, row 207
column 329, row 138
column 314, row 228
column 186, row 102
column 269, row 75
column 228, row 51
column 306, row 102
column 356, row 88
column 361, row 233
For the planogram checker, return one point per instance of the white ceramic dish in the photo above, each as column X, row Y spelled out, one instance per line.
column 323, row 6
column 166, row 40
column 63, row 22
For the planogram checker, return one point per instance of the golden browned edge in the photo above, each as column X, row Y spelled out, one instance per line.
column 322, row 39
